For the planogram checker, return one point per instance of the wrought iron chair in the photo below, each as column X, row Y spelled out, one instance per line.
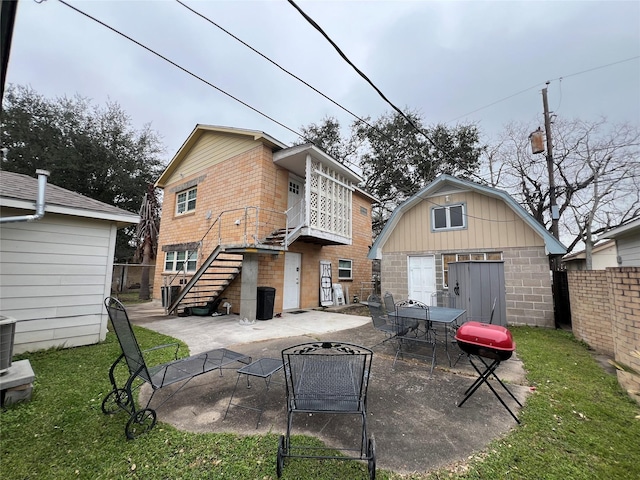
column 327, row 378
column 390, row 307
column 141, row 420
column 381, row 320
column 422, row 336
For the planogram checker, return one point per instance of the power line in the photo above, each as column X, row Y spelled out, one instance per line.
column 188, row 72
column 204, row 17
column 382, row 95
column 542, row 83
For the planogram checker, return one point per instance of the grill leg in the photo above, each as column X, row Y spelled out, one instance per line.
column 483, row 378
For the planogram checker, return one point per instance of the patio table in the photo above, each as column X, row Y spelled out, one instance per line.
column 443, row 315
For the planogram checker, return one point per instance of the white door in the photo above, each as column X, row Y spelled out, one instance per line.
column 295, row 203
column 292, row 266
column 422, row 278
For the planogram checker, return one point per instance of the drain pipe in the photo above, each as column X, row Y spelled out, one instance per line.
column 40, row 203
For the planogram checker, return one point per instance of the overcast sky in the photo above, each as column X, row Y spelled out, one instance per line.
column 449, row 60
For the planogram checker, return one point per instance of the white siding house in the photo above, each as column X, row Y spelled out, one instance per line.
column 627, row 237
column 56, row 272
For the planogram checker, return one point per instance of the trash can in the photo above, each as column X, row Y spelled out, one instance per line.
column 266, row 299
column 169, row 294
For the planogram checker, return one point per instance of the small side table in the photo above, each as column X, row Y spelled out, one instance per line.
column 261, row 368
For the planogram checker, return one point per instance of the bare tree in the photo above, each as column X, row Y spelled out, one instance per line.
column 147, row 237
column 596, row 169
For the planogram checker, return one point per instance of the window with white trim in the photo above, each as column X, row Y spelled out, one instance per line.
column 186, row 200
column 448, row 217
column 464, row 257
column 184, row 261
column 345, row 269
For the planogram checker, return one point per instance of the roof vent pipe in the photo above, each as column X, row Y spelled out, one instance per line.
column 40, row 203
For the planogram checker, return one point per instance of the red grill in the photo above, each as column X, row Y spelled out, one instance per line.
column 484, row 340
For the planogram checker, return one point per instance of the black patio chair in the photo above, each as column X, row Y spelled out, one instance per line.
column 327, row 378
column 421, row 336
column 381, row 320
column 390, row 306
column 141, row 420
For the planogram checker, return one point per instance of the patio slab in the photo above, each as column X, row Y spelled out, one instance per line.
column 411, row 413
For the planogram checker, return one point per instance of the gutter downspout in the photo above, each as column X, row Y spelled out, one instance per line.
column 40, row 203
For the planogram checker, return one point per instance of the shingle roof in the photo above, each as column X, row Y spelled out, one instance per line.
column 21, row 191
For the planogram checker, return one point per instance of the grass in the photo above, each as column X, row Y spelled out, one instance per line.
column 577, row 424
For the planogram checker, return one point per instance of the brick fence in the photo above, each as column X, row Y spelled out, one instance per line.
column 605, row 314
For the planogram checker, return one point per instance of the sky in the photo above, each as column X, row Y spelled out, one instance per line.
column 454, row 62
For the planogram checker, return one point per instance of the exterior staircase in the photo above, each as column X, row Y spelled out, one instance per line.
column 209, row 282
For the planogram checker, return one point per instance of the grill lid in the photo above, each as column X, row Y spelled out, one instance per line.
column 486, row 335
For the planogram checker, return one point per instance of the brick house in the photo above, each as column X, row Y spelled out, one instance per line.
column 241, row 210
column 453, row 220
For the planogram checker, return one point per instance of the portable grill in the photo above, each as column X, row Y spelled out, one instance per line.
column 486, row 341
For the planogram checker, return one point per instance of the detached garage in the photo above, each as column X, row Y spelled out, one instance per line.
column 55, row 271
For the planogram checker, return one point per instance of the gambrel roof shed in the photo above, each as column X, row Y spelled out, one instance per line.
column 447, row 182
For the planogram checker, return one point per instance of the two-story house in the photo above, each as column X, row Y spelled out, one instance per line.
column 242, row 210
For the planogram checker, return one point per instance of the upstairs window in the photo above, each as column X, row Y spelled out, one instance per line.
column 448, row 218
column 184, row 261
column 186, row 201
column 345, row 269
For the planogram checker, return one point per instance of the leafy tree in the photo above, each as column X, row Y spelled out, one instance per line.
column 596, row 175
column 88, row 149
column 395, row 159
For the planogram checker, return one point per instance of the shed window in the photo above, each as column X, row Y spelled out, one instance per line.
column 449, row 217
column 345, row 269
column 186, row 201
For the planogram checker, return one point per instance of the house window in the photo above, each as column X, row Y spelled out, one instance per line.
column 447, row 218
column 364, row 211
column 186, row 201
column 345, row 269
column 464, row 257
column 184, row 261
column 294, row 188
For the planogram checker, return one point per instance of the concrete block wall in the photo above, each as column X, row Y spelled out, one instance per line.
column 529, row 296
column 591, row 309
column 609, row 302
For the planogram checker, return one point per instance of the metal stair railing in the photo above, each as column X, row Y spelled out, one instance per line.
column 250, row 219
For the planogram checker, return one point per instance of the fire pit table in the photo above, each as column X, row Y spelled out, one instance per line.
column 486, row 341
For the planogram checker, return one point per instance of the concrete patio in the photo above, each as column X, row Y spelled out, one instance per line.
column 412, row 414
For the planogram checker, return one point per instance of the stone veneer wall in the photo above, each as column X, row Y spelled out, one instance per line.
column 609, row 301
column 529, row 298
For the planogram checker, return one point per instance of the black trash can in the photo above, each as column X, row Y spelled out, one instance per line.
column 266, row 299
column 169, row 294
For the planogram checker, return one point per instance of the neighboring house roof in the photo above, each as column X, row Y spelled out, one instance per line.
column 582, row 255
column 200, row 130
column 553, row 246
column 632, row 226
column 21, row 191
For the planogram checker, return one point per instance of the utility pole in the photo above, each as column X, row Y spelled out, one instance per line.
column 555, row 214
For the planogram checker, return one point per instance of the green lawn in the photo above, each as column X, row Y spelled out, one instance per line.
column 578, row 424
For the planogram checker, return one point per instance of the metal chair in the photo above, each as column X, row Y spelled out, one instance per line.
column 326, row 378
column 141, row 420
column 390, row 307
column 422, row 335
column 381, row 320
